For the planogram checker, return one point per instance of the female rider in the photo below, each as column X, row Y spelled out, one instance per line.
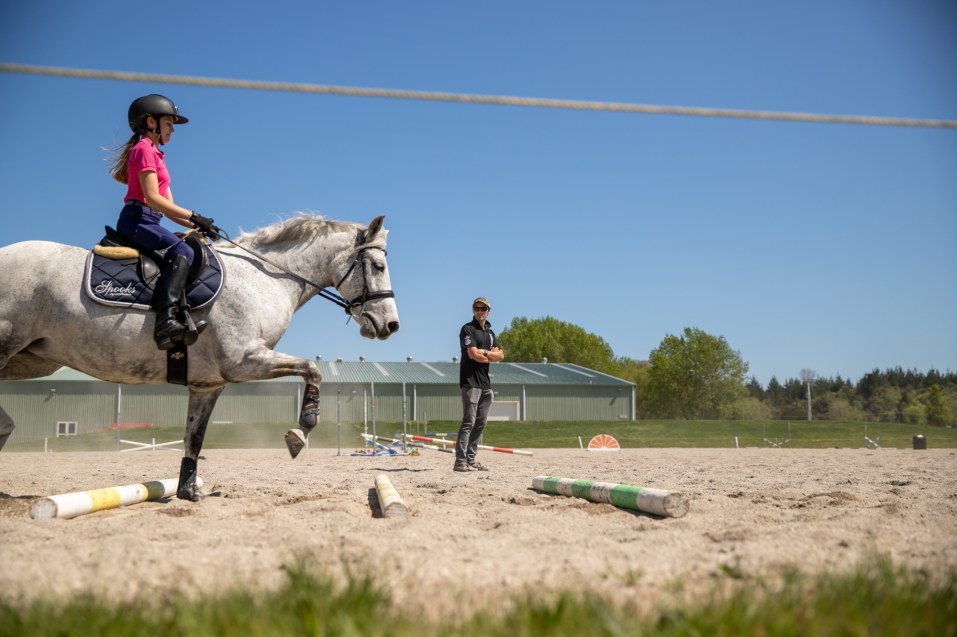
column 140, row 165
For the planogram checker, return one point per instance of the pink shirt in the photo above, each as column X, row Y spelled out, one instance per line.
column 145, row 157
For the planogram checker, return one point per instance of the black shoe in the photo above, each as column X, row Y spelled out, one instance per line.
column 478, row 466
column 168, row 333
column 461, row 466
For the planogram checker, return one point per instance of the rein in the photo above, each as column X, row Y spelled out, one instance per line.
column 349, row 305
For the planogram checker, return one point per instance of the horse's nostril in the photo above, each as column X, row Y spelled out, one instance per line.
column 393, row 327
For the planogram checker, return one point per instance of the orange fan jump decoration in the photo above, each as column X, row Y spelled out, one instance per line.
column 603, row 442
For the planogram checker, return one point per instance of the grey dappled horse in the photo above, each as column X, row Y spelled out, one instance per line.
column 46, row 321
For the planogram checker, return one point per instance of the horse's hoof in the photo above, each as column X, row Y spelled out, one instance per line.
column 295, row 441
column 188, row 494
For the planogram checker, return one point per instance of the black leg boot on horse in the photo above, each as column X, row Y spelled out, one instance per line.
column 173, row 324
column 187, row 487
column 308, row 419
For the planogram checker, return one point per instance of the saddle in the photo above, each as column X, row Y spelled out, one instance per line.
column 119, row 274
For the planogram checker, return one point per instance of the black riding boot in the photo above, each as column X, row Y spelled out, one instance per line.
column 166, row 299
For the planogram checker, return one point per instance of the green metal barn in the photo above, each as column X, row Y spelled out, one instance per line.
column 69, row 403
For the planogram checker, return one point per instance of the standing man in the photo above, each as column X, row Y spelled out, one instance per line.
column 479, row 348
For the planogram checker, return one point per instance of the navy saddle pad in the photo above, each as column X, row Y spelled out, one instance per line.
column 119, row 282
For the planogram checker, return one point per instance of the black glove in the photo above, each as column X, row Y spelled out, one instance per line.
column 204, row 225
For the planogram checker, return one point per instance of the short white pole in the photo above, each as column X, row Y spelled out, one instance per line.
column 390, row 502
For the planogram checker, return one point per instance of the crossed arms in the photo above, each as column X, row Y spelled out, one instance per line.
column 494, row 355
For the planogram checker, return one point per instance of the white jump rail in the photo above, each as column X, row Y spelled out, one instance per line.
column 143, row 446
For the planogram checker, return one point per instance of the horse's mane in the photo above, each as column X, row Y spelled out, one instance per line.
column 303, row 225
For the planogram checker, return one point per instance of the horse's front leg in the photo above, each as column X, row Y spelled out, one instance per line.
column 262, row 363
column 201, row 403
column 309, row 411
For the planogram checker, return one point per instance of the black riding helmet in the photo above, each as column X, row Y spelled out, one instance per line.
column 155, row 105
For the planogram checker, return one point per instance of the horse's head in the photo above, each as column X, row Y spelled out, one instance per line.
column 366, row 285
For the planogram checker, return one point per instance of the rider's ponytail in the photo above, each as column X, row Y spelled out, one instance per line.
column 119, row 167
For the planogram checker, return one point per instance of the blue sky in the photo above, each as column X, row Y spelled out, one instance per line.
column 830, row 247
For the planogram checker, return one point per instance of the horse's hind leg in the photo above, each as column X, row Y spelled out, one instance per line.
column 201, row 403
column 6, row 427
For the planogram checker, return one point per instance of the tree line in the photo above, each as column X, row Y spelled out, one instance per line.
column 891, row 395
column 696, row 375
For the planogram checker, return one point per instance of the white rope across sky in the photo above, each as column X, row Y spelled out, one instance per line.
column 466, row 98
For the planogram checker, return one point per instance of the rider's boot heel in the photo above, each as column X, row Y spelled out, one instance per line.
column 168, row 330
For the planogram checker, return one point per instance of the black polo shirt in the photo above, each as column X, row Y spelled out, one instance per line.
column 472, row 373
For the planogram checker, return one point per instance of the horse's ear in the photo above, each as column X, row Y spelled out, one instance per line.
column 374, row 227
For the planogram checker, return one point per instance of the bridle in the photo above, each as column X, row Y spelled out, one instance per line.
column 366, row 295
column 354, row 306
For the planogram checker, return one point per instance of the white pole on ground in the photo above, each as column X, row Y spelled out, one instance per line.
column 452, row 443
column 71, row 505
column 390, row 503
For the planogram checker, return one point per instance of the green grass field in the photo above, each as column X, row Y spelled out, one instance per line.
column 552, row 434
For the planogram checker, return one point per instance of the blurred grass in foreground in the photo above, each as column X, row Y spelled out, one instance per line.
column 876, row 599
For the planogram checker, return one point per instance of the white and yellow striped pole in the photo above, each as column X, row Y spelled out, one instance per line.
column 390, row 503
column 71, row 505
column 655, row 501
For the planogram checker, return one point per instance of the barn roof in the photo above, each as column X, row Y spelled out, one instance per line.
column 444, row 373
column 437, row 373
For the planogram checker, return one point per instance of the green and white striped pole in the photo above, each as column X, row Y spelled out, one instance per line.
column 655, row 501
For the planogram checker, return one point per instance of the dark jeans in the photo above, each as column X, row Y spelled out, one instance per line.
column 475, row 405
column 142, row 226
